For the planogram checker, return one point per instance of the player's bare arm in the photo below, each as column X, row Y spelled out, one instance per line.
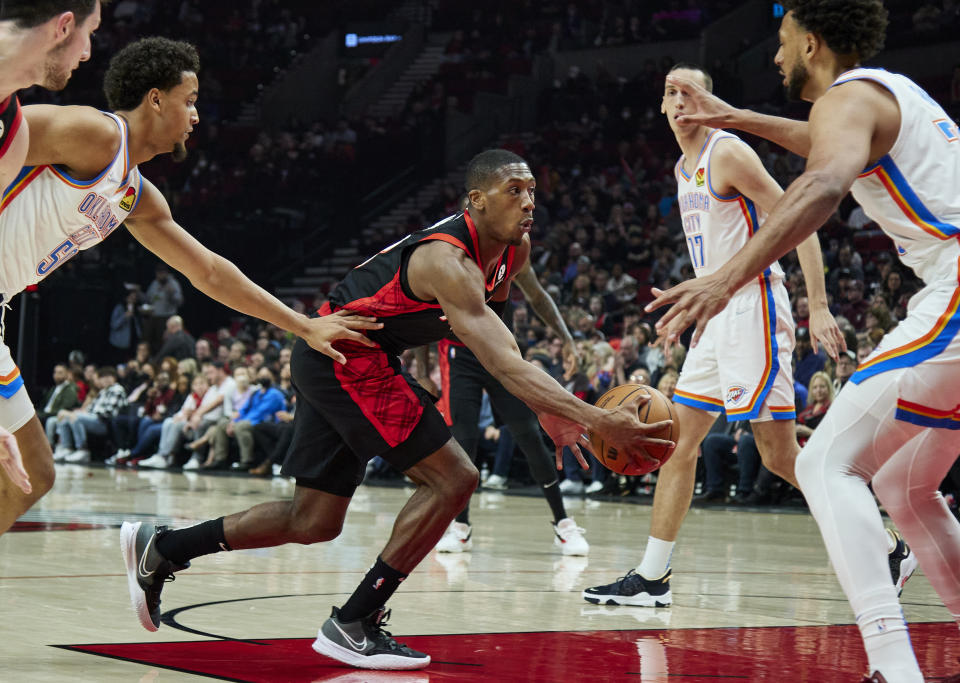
column 153, row 226
column 843, row 127
column 713, row 112
column 80, row 138
column 443, row 272
column 546, row 309
column 739, row 165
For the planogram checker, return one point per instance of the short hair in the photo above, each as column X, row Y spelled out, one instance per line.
column 484, row 166
column 690, row 66
column 32, row 13
column 848, row 27
column 107, row 371
column 146, row 64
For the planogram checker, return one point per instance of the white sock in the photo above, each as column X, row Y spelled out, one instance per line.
column 656, row 558
column 891, row 542
column 885, row 636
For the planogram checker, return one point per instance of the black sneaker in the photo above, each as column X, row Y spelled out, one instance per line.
column 902, row 562
column 365, row 644
column 632, row 589
column 147, row 570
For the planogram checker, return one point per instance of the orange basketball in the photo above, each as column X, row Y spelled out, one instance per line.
column 656, row 409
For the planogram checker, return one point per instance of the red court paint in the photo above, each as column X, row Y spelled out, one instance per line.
column 819, row 654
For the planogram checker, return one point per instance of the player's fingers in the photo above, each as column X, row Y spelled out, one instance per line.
column 575, row 449
column 584, row 441
column 655, row 426
column 559, row 458
column 18, row 476
column 697, row 332
column 328, row 350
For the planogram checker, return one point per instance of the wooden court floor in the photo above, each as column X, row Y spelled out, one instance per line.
column 754, row 596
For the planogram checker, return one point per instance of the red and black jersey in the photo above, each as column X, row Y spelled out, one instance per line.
column 378, row 287
column 10, row 118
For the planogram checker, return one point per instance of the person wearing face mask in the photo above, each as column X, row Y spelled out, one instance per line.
column 262, row 405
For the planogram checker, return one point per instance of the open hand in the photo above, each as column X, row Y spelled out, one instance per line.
column 321, row 332
column 694, row 301
column 708, row 109
column 565, row 432
column 12, row 461
column 825, row 331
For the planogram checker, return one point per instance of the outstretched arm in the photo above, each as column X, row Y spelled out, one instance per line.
column 842, row 129
column 712, row 111
column 442, row 272
column 741, row 167
column 153, row 226
column 546, row 309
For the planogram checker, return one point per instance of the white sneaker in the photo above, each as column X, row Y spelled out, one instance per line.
column 569, row 538
column 192, row 464
column 155, row 461
column 570, row 486
column 81, row 456
column 496, row 482
column 275, row 469
column 594, row 487
column 456, row 539
column 60, row 453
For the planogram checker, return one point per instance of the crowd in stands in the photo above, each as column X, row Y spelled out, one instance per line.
column 607, row 230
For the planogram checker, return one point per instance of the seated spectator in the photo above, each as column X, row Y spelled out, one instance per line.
column 262, row 405
column 846, row 366
column 74, row 426
column 854, row 307
column 717, row 449
column 178, row 427
column 62, row 396
column 819, row 398
column 806, row 362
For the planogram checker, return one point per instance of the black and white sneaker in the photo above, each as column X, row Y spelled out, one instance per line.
column 632, row 589
column 364, row 643
column 902, row 562
column 147, row 570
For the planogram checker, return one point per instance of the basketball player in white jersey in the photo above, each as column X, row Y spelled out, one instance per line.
column 895, row 422
column 742, row 366
column 41, row 43
column 81, row 183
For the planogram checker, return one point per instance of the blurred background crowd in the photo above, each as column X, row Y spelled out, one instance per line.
column 147, row 373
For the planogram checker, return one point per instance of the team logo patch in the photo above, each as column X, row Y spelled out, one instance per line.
column 699, row 177
column 501, row 272
column 127, row 202
column 735, row 394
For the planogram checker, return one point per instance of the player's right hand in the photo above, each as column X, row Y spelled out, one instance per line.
column 623, row 429
column 321, row 332
column 709, row 110
column 12, row 462
column 564, row 432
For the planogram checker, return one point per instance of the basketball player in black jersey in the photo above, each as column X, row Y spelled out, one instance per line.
column 464, row 380
column 427, row 284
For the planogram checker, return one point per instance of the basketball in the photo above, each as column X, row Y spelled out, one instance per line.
column 656, row 409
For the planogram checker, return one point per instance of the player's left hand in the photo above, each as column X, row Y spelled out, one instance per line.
column 571, row 359
column 12, row 461
column 321, row 332
column 565, row 432
column 694, row 301
column 825, row 331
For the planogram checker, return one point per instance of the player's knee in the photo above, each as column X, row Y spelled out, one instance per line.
column 42, row 478
column 309, row 531
column 461, row 484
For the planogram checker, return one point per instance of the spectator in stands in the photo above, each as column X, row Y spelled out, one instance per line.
column 163, row 299
column 819, row 398
column 846, row 366
column 801, row 315
column 855, row 307
column 626, row 360
column 62, row 396
column 262, row 404
column 806, row 362
column 125, row 326
column 202, row 352
column 74, row 426
column 177, row 342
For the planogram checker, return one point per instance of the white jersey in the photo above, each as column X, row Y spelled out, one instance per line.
column 47, row 217
column 716, row 227
column 912, row 191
